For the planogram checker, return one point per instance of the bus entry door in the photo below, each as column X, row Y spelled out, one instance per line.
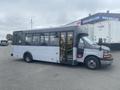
column 66, row 47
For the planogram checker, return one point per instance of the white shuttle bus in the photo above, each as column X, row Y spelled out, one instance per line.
column 65, row 45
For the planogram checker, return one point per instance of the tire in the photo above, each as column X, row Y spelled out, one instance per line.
column 28, row 58
column 92, row 63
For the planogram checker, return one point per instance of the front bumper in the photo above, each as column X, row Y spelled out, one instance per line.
column 106, row 61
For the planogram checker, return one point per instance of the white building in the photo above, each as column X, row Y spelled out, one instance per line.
column 105, row 26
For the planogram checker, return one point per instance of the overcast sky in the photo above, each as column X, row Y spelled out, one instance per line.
column 16, row 14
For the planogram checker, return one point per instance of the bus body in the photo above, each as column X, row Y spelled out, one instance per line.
column 66, row 45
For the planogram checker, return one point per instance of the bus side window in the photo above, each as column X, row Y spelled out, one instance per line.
column 46, row 39
column 17, row 39
column 42, row 39
column 54, row 39
column 28, row 39
column 36, row 39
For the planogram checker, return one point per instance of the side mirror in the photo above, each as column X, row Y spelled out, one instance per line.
column 100, row 41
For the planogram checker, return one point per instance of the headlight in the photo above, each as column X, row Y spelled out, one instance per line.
column 107, row 54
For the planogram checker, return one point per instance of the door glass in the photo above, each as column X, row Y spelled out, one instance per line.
column 63, row 46
column 66, row 46
column 81, row 43
column 69, row 46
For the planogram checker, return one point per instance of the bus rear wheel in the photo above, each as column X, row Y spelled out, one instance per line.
column 28, row 58
column 92, row 63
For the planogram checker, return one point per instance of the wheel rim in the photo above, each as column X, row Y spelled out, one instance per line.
column 91, row 64
column 28, row 59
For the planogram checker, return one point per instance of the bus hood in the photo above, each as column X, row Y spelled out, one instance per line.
column 105, row 48
column 101, row 47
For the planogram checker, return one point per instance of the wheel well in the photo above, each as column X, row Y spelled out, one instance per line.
column 27, row 53
column 91, row 56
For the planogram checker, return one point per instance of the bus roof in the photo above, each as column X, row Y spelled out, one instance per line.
column 56, row 29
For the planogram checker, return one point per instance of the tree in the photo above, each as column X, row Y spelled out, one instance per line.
column 9, row 37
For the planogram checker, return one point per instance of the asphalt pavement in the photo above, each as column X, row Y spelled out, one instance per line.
column 15, row 74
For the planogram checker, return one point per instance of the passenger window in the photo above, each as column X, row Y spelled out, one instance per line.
column 18, row 39
column 54, row 39
column 36, row 39
column 28, row 39
column 46, row 38
column 42, row 39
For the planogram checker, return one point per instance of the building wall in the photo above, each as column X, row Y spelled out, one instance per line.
column 101, row 30
column 108, row 30
column 115, row 31
column 90, row 30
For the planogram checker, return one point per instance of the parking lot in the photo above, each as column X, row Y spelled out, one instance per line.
column 17, row 75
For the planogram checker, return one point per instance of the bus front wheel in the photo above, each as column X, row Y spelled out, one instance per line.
column 92, row 63
column 28, row 58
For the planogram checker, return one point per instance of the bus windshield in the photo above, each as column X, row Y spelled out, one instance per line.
column 89, row 41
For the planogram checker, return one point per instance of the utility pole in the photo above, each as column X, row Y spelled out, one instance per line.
column 31, row 23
